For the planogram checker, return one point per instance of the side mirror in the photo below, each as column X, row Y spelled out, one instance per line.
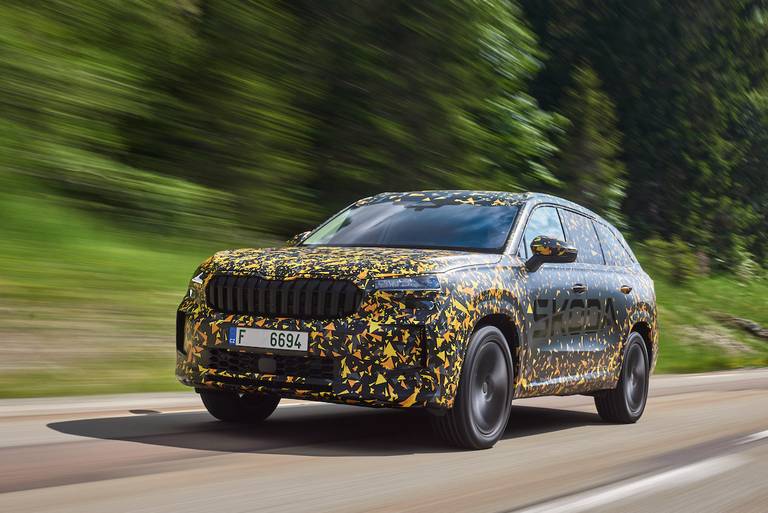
column 298, row 238
column 545, row 249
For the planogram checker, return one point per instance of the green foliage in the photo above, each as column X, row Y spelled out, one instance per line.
column 691, row 337
column 674, row 260
column 266, row 116
column 676, row 70
column 589, row 166
column 226, row 115
column 419, row 95
column 749, row 125
column 209, row 116
column 70, row 75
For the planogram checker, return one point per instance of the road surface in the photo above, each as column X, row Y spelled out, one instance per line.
column 702, row 446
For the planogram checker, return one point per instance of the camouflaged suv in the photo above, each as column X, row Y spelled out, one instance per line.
column 453, row 301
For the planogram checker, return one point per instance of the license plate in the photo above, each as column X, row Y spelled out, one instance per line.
column 278, row 340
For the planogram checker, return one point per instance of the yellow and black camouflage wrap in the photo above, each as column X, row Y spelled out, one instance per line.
column 406, row 348
column 549, row 247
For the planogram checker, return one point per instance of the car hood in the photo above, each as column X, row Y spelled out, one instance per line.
column 357, row 264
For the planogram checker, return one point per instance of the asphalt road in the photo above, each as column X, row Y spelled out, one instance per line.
column 702, row 446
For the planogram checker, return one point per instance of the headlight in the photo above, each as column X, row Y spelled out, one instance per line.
column 196, row 285
column 428, row 282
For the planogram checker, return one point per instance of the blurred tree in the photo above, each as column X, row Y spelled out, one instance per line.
column 674, row 260
column 227, row 116
column 588, row 164
column 70, row 75
column 675, row 70
column 750, row 178
column 202, row 115
column 302, row 107
column 420, row 95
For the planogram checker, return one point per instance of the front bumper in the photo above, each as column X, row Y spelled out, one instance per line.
column 352, row 361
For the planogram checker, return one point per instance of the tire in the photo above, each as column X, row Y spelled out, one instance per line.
column 625, row 403
column 484, row 398
column 233, row 407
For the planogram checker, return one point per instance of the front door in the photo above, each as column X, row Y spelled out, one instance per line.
column 545, row 366
column 573, row 317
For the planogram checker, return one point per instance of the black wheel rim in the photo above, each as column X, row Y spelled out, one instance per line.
column 490, row 388
column 635, row 379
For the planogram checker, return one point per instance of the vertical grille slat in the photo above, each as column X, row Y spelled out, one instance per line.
column 219, row 292
column 295, row 309
column 261, row 298
column 285, row 292
column 336, row 289
column 300, row 298
column 238, row 293
column 350, row 296
column 271, row 307
column 244, row 295
column 250, row 291
column 228, row 292
column 235, row 292
column 308, row 295
column 322, row 292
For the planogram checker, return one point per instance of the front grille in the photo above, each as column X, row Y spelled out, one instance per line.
column 300, row 298
column 241, row 362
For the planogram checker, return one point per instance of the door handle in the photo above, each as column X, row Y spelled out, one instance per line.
column 579, row 288
column 626, row 289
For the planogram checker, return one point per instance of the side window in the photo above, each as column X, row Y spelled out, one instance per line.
column 580, row 232
column 613, row 249
column 543, row 221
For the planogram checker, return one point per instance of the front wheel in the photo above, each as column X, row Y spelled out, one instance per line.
column 233, row 407
column 625, row 403
column 484, row 398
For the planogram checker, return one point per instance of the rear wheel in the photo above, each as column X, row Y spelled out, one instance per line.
column 234, row 407
column 484, row 398
column 625, row 404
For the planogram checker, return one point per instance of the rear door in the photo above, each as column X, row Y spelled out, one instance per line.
column 620, row 284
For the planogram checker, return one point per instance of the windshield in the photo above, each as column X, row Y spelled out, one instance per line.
column 410, row 225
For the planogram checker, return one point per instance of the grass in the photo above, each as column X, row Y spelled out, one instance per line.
column 88, row 308
column 94, row 377
column 693, row 341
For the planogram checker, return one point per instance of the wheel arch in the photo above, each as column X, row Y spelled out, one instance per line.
column 509, row 329
column 645, row 331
